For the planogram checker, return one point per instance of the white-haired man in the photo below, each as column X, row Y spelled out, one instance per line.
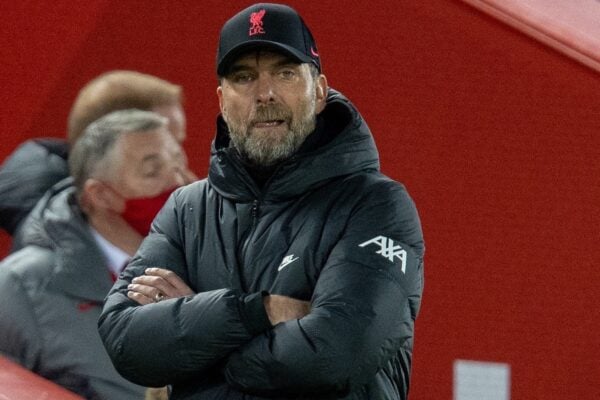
column 77, row 240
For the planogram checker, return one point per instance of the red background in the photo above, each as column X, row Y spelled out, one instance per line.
column 495, row 136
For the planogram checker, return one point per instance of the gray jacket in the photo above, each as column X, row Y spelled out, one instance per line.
column 51, row 293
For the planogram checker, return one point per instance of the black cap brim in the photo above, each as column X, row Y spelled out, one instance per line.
column 244, row 48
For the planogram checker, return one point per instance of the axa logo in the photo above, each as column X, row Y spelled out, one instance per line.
column 256, row 23
column 287, row 260
column 388, row 249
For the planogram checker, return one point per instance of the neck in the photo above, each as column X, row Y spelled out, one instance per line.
column 114, row 229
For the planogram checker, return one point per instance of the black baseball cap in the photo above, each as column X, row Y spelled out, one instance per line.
column 270, row 26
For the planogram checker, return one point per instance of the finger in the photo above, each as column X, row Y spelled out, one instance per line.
column 167, row 275
column 171, row 277
column 147, row 291
column 157, row 283
column 139, row 298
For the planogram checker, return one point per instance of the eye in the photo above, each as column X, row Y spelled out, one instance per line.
column 151, row 169
column 287, row 74
column 241, row 77
column 152, row 173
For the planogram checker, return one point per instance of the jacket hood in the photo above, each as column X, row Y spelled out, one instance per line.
column 58, row 224
column 348, row 148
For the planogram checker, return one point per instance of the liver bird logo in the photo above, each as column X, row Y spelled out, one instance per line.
column 256, row 23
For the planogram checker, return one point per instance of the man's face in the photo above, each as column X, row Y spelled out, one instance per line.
column 270, row 105
column 146, row 164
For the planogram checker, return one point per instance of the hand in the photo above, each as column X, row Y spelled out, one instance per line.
column 161, row 393
column 157, row 284
column 282, row 308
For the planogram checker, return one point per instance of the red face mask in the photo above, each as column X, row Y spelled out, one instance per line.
column 140, row 212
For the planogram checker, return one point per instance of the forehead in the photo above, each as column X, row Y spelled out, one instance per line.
column 136, row 146
column 262, row 56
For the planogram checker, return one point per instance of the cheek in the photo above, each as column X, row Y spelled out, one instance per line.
column 178, row 131
column 304, row 106
column 136, row 187
column 236, row 107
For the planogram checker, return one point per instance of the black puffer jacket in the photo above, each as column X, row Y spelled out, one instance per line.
column 327, row 228
column 34, row 167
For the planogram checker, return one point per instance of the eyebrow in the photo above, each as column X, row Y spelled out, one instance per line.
column 282, row 63
column 237, row 68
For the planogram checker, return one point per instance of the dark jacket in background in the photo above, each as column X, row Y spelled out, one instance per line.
column 51, row 294
column 328, row 228
column 34, row 167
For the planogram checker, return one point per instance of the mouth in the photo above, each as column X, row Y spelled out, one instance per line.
column 269, row 123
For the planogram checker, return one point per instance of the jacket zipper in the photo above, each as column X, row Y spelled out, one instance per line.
column 254, row 212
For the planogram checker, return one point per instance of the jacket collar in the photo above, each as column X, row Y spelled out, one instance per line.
column 80, row 267
column 348, row 148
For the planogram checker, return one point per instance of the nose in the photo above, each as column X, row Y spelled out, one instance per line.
column 265, row 89
column 175, row 176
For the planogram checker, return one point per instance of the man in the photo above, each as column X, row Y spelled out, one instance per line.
column 295, row 269
column 40, row 163
column 118, row 90
column 77, row 239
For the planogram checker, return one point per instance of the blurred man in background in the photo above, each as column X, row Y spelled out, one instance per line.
column 40, row 163
column 76, row 241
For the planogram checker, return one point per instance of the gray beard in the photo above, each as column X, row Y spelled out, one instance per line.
column 263, row 150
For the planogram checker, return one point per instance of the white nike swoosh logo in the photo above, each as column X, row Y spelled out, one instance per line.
column 285, row 263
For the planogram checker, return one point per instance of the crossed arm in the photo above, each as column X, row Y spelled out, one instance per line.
column 159, row 284
column 332, row 346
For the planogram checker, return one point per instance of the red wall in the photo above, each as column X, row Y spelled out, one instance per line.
column 495, row 136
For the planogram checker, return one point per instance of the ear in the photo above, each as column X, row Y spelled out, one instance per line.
column 99, row 196
column 220, row 96
column 321, row 93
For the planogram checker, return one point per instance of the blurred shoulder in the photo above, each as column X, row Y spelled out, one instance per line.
column 31, row 266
